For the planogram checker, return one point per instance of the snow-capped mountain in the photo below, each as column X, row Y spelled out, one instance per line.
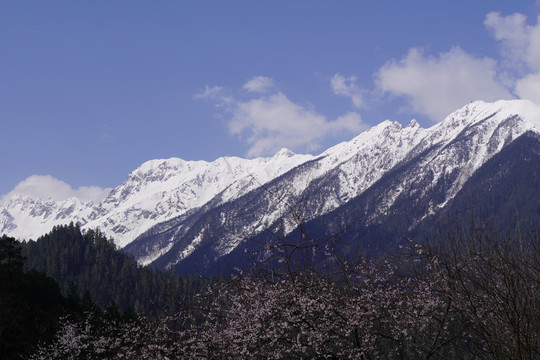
column 27, row 217
column 423, row 168
column 173, row 211
column 155, row 192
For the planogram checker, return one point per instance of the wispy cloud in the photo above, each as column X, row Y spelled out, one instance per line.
column 259, row 84
column 46, row 186
column 512, row 32
column 268, row 120
column 273, row 122
column 437, row 85
column 528, row 87
column 346, row 86
column 520, row 49
column 213, row 92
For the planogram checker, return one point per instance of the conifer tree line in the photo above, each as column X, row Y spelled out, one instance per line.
column 89, row 264
column 70, row 274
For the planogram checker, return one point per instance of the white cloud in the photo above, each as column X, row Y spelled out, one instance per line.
column 46, row 186
column 346, row 86
column 533, row 52
column 268, row 121
column 273, row 122
column 529, row 87
column 210, row 92
column 512, row 32
column 351, row 122
column 520, row 42
column 259, row 84
column 436, row 86
column 520, row 49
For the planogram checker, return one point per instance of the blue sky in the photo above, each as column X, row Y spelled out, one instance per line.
column 91, row 90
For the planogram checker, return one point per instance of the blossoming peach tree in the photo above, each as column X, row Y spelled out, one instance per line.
column 467, row 296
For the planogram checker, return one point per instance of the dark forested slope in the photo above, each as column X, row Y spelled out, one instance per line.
column 91, row 264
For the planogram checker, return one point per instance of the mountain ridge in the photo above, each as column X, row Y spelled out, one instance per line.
column 432, row 174
column 158, row 189
column 162, row 203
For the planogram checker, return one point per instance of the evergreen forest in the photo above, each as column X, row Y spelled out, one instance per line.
column 68, row 274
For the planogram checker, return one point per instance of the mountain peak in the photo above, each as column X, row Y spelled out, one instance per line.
column 284, row 152
column 413, row 124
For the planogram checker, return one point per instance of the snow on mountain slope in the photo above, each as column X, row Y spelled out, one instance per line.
column 469, row 137
column 157, row 191
column 309, row 190
column 161, row 190
column 451, row 151
column 446, row 155
column 27, row 217
column 361, row 162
